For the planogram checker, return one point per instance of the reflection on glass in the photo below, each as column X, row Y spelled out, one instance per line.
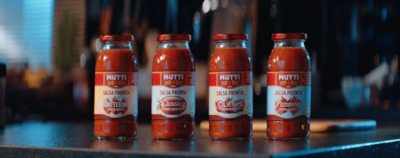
column 231, row 146
column 113, row 144
column 278, row 146
column 173, row 145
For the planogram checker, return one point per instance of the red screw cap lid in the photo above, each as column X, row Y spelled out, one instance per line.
column 230, row 37
column 277, row 36
column 170, row 37
column 105, row 38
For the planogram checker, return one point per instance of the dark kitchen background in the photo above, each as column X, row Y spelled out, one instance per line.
column 50, row 47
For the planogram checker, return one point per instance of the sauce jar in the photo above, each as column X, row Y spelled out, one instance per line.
column 173, row 88
column 289, row 87
column 116, row 95
column 230, row 88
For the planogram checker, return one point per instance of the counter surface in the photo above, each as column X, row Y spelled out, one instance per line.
column 69, row 139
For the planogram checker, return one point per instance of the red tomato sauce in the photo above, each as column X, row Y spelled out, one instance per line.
column 230, row 60
column 173, row 60
column 288, row 59
column 115, row 60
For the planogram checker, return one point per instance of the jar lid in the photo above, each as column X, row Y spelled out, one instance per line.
column 105, row 38
column 277, row 36
column 230, row 37
column 170, row 37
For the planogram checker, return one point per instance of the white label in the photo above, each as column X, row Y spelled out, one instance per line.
column 231, row 103
column 173, row 94
column 230, row 94
column 116, row 94
column 288, row 94
column 173, row 102
column 288, row 103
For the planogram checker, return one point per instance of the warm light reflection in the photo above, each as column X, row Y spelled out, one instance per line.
column 162, row 57
column 217, row 59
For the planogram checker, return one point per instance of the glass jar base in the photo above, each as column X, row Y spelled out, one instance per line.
column 180, row 128
column 120, row 138
column 173, row 139
column 236, row 128
column 291, row 129
column 288, row 138
column 232, row 139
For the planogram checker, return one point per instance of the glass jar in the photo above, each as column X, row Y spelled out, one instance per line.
column 116, row 95
column 230, row 88
column 173, row 88
column 289, row 87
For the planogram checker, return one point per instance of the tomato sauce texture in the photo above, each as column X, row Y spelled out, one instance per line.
column 115, row 61
column 281, row 60
column 230, row 60
column 173, row 60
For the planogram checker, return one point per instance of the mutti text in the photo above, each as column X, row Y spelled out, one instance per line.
column 173, row 77
column 116, row 77
column 288, row 77
column 229, row 77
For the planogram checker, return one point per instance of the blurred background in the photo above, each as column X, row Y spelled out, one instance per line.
column 50, row 48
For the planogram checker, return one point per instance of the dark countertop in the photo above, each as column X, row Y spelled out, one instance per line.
column 69, row 139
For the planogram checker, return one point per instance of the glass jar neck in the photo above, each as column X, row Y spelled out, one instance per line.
column 230, row 44
column 117, row 45
column 289, row 43
column 173, row 44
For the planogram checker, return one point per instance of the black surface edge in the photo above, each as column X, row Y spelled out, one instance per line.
column 387, row 148
column 7, row 151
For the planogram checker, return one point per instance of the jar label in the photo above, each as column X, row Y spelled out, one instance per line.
column 116, row 94
column 173, row 94
column 288, row 95
column 230, row 94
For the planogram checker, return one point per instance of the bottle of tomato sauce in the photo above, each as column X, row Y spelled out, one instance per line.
column 173, row 88
column 116, row 96
column 289, row 88
column 230, row 88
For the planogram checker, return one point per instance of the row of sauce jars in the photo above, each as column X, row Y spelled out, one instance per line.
column 230, row 88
